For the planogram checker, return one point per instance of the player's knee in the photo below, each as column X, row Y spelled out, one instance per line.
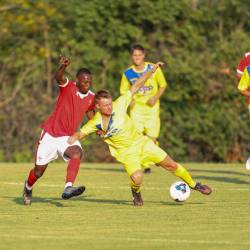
column 77, row 154
column 38, row 172
column 74, row 152
column 172, row 166
column 137, row 178
column 169, row 164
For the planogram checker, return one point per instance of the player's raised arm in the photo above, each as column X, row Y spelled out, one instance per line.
column 140, row 81
column 63, row 64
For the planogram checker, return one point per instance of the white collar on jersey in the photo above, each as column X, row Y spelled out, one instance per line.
column 81, row 95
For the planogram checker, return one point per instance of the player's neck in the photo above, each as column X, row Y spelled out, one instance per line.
column 140, row 67
column 105, row 121
column 105, row 117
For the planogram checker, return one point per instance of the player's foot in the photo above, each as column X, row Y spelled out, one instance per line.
column 27, row 195
column 147, row 171
column 204, row 189
column 248, row 164
column 72, row 191
column 137, row 199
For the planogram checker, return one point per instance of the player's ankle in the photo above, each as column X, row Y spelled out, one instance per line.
column 68, row 184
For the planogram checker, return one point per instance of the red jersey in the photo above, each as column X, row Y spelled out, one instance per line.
column 245, row 61
column 69, row 111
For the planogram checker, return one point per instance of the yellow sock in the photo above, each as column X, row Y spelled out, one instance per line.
column 185, row 176
column 135, row 187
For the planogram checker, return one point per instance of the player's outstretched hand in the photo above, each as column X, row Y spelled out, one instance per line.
column 72, row 139
column 64, row 60
column 76, row 136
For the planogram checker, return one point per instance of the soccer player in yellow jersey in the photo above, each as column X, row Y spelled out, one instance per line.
column 145, row 105
column 126, row 143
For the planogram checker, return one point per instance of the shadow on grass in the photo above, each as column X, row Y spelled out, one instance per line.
column 108, row 201
column 119, row 169
column 52, row 201
column 218, row 172
column 169, row 203
column 222, row 179
column 129, row 203
column 56, row 201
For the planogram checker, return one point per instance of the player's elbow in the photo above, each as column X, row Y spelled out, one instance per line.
column 58, row 78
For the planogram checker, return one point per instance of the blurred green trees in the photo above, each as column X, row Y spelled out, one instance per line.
column 203, row 116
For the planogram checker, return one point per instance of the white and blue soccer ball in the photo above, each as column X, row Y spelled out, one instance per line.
column 180, row 191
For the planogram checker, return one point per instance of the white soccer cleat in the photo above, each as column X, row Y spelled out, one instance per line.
column 248, row 164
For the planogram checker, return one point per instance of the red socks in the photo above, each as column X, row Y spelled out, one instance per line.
column 32, row 178
column 72, row 170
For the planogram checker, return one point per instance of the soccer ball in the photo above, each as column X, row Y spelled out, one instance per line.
column 179, row 191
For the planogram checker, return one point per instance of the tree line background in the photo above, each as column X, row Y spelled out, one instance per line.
column 203, row 116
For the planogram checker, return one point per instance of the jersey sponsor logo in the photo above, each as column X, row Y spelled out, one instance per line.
column 143, row 90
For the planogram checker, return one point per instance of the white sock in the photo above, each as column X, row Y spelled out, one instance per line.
column 27, row 186
column 68, row 184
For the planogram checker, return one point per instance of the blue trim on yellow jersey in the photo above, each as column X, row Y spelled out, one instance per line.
column 248, row 70
column 110, row 121
column 99, row 126
column 132, row 75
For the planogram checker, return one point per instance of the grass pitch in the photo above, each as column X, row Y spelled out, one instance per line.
column 104, row 217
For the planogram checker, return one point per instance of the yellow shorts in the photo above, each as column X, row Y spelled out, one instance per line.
column 146, row 119
column 141, row 153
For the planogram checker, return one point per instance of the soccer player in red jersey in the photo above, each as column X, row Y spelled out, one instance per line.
column 75, row 99
column 244, row 62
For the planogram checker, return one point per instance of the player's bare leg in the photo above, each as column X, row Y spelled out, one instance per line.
column 74, row 153
column 34, row 175
column 169, row 164
column 136, row 181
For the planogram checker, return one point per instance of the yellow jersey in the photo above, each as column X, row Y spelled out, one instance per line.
column 150, row 87
column 244, row 83
column 121, row 133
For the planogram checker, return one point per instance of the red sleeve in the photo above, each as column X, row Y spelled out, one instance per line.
column 92, row 105
column 67, row 85
column 241, row 65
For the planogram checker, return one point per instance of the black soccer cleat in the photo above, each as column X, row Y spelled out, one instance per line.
column 27, row 195
column 137, row 199
column 204, row 189
column 147, row 171
column 72, row 191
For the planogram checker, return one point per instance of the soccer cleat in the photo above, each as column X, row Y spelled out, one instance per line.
column 72, row 191
column 137, row 199
column 248, row 164
column 27, row 195
column 204, row 189
column 147, row 171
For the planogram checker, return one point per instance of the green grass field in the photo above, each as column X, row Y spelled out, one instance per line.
column 104, row 218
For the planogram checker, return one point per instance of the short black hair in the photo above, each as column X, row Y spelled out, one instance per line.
column 83, row 71
column 103, row 93
column 137, row 47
